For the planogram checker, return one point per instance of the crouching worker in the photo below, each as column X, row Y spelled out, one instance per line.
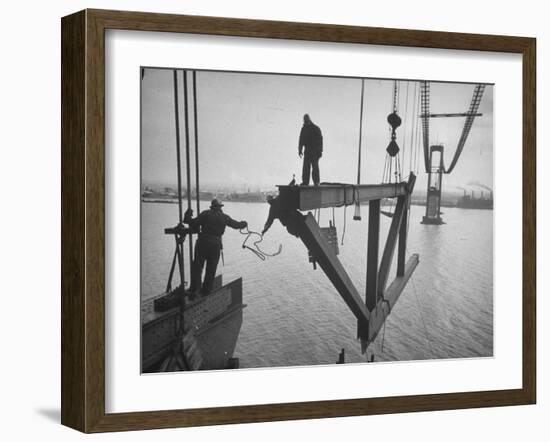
column 288, row 218
column 210, row 225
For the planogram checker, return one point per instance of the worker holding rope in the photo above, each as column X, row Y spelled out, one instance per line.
column 210, row 224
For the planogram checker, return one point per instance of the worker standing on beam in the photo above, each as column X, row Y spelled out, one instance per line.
column 310, row 146
column 212, row 224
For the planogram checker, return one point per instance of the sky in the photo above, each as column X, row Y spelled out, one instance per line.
column 249, row 124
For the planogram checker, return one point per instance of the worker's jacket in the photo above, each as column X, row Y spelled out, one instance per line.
column 211, row 224
column 312, row 138
column 288, row 218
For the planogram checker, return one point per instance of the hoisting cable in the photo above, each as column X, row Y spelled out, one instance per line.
column 178, row 159
column 196, row 128
column 404, row 142
column 418, row 147
column 178, row 162
column 357, row 214
column 188, row 161
column 394, row 120
column 392, row 164
column 256, row 250
column 418, row 136
column 179, row 245
column 413, row 129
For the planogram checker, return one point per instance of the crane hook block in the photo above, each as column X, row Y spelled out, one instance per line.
column 394, row 120
column 392, row 148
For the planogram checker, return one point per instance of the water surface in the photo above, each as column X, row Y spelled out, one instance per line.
column 295, row 317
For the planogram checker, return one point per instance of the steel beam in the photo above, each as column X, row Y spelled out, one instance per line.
column 390, row 297
column 389, row 248
column 372, row 254
column 311, row 235
column 402, row 248
column 398, row 219
column 336, row 195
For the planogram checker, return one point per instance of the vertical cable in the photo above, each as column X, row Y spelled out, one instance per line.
column 187, row 157
column 405, row 128
column 179, row 251
column 360, row 132
column 178, row 160
column 357, row 215
column 197, row 188
column 413, row 122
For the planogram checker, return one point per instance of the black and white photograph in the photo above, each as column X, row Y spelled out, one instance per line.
column 303, row 220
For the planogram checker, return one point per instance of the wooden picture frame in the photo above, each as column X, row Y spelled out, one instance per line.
column 83, row 220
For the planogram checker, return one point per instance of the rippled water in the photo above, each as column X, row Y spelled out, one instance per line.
column 295, row 317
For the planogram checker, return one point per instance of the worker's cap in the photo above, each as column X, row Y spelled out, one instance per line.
column 216, row 203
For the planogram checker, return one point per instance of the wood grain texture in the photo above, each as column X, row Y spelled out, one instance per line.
column 73, row 399
column 83, row 219
column 529, row 221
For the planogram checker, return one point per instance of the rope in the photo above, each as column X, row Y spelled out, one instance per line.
column 345, row 224
column 256, row 250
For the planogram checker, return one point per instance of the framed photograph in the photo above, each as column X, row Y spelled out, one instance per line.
column 270, row 220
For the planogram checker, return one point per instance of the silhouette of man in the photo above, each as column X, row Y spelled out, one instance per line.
column 288, row 218
column 212, row 225
column 310, row 146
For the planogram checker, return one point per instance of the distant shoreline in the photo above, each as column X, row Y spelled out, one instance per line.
column 414, row 203
column 175, row 201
